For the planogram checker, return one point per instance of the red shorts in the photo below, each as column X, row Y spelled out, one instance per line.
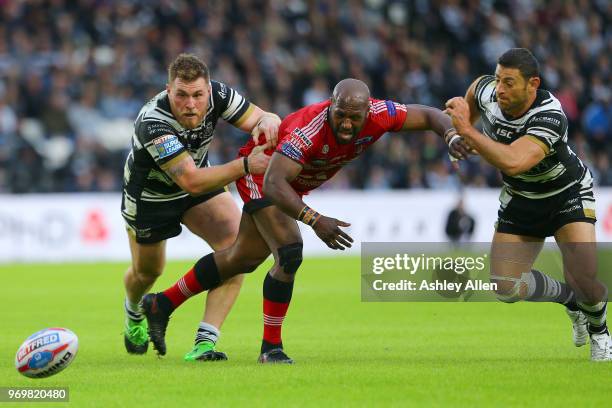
column 250, row 188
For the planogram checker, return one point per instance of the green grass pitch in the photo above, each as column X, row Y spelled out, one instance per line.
column 347, row 352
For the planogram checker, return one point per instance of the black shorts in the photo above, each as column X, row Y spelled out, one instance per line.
column 542, row 217
column 153, row 222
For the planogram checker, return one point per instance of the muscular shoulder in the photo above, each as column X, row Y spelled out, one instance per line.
column 553, row 120
column 228, row 103
column 546, row 119
column 310, row 119
column 389, row 115
column 484, row 91
column 152, row 129
column 301, row 130
column 155, row 119
column 220, row 92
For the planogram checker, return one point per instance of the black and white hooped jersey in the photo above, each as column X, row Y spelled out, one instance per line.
column 159, row 138
column 546, row 124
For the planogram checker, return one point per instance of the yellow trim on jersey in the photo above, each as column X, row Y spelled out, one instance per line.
column 173, row 161
column 589, row 212
column 539, row 143
column 245, row 115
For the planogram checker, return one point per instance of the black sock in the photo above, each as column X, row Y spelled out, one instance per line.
column 207, row 273
column 596, row 315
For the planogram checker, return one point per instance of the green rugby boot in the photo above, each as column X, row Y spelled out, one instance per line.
column 136, row 337
column 205, row 351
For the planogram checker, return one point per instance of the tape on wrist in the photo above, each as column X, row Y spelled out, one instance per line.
column 453, row 138
column 449, row 134
column 308, row 216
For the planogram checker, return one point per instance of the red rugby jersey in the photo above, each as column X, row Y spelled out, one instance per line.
column 306, row 137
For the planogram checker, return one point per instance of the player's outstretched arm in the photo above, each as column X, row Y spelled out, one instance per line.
column 512, row 159
column 277, row 188
column 260, row 121
column 195, row 180
column 421, row 117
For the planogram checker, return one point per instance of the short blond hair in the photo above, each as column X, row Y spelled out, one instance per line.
column 188, row 68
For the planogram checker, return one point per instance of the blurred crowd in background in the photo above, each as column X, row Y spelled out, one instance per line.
column 74, row 74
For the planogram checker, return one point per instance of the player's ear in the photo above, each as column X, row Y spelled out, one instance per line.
column 168, row 88
column 534, row 82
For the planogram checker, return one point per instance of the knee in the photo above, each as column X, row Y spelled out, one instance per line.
column 229, row 227
column 147, row 274
column 506, row 289
column 290, row 257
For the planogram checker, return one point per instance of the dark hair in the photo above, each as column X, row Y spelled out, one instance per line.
column 187, row 67
column 523, row 60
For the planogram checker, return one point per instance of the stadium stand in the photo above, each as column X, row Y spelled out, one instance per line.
column 73, row 75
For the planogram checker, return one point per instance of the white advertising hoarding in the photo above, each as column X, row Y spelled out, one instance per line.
column 89, row 227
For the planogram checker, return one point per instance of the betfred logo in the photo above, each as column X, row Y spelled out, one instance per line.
column 94, row 229
column 38, row 343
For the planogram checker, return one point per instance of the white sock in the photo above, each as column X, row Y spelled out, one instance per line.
column 207, row 332
column 133, row 311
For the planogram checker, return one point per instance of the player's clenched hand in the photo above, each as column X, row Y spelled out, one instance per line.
column 258, row 160
column 459, row 111
column 268, row 125
column 328, row 229
column 459, row 148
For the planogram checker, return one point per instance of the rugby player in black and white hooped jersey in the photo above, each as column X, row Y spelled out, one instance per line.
column 168, row 182
column 547, row 191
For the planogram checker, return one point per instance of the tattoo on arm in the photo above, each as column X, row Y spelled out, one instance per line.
column 177, row 170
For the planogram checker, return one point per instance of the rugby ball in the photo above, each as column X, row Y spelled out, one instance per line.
column 46, row 352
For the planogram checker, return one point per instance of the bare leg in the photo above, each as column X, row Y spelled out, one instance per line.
column 511, row 257
column 217, row 221
column 147, row 265
column 579, row 248
column 148, row 262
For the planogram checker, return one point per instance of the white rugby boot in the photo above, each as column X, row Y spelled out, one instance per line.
column 580, row 333
column 601, row 347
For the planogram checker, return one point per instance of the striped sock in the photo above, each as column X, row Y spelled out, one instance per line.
column 203, row 276
column 543, row 288
column 207, row 332
column 277, row 296
column 186, row 287
column 596, row 315
column 133, row 311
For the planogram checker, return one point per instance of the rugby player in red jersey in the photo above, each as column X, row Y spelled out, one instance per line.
column 314, row 143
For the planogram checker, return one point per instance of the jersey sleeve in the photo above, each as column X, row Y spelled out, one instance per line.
column 546, row 128
column 161, row 141
column 484, row 90
column 390, row 115
column 293, row 142
column 230, row 104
